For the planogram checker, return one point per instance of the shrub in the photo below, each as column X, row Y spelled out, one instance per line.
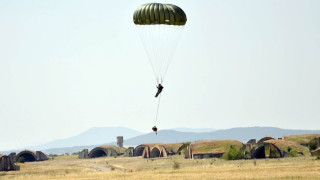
column 289, row 148
column 234, row 154
column 112, row 169
column 293, row 153
column 312, row 145
column 175, row 165
column 114, row 156
column 21, row 159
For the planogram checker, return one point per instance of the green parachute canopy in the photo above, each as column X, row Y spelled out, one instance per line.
column 156, row 13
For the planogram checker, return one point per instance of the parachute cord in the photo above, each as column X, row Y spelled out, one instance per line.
column 155, row 122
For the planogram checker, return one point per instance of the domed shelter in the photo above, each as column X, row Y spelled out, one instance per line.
column 151, row 150
column 30, row 156
column 107, row 150
column 211, row 149
column 139, row 150
column 279, row 148
column 288, row 147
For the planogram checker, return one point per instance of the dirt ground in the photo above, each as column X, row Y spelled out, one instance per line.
column 175, row 167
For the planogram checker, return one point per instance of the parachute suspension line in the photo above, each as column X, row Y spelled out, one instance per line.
column 164, row 50
column 154, row 41
column 160, row 41
column 174, row 46
column 142, row 31
column 155, row 122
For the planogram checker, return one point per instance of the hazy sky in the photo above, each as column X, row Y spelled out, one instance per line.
column 67, row 66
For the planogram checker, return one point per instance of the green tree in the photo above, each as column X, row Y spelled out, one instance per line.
column 21, row 159
column 234, row 154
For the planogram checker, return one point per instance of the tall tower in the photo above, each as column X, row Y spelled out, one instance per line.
column 120, row 141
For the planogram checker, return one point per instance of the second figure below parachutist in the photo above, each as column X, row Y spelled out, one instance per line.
column 155, row 129
column 160, row 87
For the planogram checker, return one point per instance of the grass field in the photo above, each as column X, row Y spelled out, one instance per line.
column 69, row 167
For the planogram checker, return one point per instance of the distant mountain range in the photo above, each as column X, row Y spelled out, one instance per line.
column 193, row 130
column 93, row 136
column 241, row 134
column 107, row 135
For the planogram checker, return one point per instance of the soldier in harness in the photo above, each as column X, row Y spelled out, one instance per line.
column 160, row 87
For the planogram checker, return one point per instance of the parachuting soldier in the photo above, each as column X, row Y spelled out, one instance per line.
column 149, row 16
column 160, row 87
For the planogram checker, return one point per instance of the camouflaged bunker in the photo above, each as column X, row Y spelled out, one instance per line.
column 6, row 164
column 268, row 147
column 150, row 151
column 107, row 150
column 29, row 156
column 211, row 148
column 154, row 150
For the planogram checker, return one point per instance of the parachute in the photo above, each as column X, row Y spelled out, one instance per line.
column 159, row 27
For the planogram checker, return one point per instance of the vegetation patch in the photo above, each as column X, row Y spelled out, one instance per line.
column 21, row 159
column 215, row 146
column 234, row 154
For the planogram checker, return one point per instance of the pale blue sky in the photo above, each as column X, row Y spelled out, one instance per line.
column 67, row 66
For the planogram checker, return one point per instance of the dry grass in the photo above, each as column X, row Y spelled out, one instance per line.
column 116, row 148
column 214, row 146
column 162, row 168
column 302, row 139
